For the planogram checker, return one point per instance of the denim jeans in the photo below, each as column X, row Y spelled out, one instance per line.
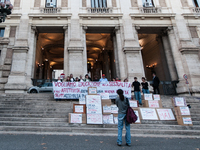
column 121, row 119
column 145, row 91
column 138, row 96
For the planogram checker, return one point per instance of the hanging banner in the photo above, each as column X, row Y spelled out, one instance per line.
column 78, row 90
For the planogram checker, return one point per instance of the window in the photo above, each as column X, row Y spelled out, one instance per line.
column 148, row 3
column 196, row 3
column 2, row 32
column 51, row 3
column 98, row 3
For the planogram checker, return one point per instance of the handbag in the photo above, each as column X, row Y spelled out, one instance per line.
column 131, row 117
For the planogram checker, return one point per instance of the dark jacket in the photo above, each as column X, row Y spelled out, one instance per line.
column 122, row 105
column 156, row 81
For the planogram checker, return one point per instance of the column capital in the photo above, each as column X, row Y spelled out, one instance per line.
column 85, row 28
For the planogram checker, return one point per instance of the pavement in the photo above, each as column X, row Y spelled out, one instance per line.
column 74, row 142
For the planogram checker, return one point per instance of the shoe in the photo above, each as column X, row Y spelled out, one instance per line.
column 128, row 145
column 119, row 144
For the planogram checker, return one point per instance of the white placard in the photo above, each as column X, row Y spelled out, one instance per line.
column 179, row 101
column 148, row 114
column 79, row 108
column 185, row 110
column 153, row 104
column 148, row 97
column 133, row 103
column 76, row 118
column 106, row 109
column 187, row 120
column 92, row 90
column 156, row 97
column 108, row 119
column 82, row 99
column 114, row 109
column 93, row 103
column 115, row 120
column 94, row 119
column 137, row 114
column 165, row 114
column 104, row 95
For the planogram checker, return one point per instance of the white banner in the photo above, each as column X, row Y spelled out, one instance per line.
column 76, row 90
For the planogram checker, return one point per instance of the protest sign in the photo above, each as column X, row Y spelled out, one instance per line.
column 184, row 110
column 153, row 104
column 94, row 119
column 156, row 97
column 108, row 119
column 75, row 90
column 148, row 114
column 179, row 101
column 79, row 108
column 165, row 114
column 93, row 103
column 187, row 120
column 114, row 109
column 133, row 103
column 76, row 118
column 92, row 90
column 148, row 97
column 104, row 95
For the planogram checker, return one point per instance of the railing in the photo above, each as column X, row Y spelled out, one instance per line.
column 150, row 10
column 196, row 10
column 99, row 10
column 50, row 10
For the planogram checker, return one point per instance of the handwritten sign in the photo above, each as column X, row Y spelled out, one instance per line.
column 106, row 109
column 93, row 103
column 179, row 101
column 75, row 90
column 79, row 109
column 148, row 114
column 184, row 110
column 165, row 114
column 94, row 119
column 104, row 95
column 133, row 103
column 92, row 90
column 137, row 114
column 153, row 104
column 187, row 120
column 156, row 97
column 114, row 109
column 108, row 119
column 115, row 118
column 76, row 118
column 148, row 97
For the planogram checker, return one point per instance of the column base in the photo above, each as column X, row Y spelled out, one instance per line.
column 15, row 88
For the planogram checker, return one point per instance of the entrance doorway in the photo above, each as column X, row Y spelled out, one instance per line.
column 100, row 55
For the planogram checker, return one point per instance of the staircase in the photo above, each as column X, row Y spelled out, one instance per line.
column 41, row 114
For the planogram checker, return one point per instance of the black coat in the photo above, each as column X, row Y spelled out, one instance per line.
column 156, row 82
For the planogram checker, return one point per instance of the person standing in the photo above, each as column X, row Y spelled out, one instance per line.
column 156, row 83
column 145, row 86
column 103, row 79
column 122, row 104
column 71, row 78
column 87, row 79
column 59, row 79
column 81, row 79
column 137, row 90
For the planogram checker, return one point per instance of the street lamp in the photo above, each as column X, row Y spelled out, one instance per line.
column 5, row 9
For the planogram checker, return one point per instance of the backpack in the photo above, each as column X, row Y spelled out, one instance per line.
column 131, row 117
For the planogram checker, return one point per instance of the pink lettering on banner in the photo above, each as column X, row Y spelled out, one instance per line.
column 126, row 92
column 109, row 91
column 69, row 90
column 59, row 95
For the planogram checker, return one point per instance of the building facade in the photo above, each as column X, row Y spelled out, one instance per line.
column 124, row 38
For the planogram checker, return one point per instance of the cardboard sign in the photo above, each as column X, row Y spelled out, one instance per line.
column 165, row 114
column 92, row 90
column 148, row 97
column 153, row 104
column 79, row 109
column 156, row 97
column 148, row 114
column 76, row 118
column 137, row 114
column 133, row 103
column 104, row 95
column 93, row 103
column 114, row 109
column 115, row 118
column 184, row 111
column 106, row 109
column 94, row 119
column 108, row 119
column 187, row 120
column 82, row 99
column 179, row 101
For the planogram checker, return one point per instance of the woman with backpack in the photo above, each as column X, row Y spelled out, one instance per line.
column 122, row 104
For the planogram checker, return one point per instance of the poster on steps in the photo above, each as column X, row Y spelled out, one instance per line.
column 108, row 119
column 156, row 97
column 165, row 114
column 185, row 111
column 187, row 120
column 94, row 119
column 148, row 97
column 93, row 103
column 148, row 114
column 179, row 101
column 76, row 118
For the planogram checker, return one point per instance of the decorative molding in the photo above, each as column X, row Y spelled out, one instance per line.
column 131, row 49
column 4, row 41
column 20, row 49
column 189, row 50
column 75, row 49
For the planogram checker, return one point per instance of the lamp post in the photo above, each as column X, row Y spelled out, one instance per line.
column 5, row 9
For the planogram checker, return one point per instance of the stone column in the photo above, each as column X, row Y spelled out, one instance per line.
column 84, row 51
column 116, row 56
column 140, row 4
column 88, row 3
column 170, row 59
column 106, row 64
column 66, row 57
column 43, row 2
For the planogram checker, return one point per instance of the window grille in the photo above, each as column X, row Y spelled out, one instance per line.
column 98, row 3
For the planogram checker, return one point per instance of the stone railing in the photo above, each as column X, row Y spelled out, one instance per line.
column 99, row 10
column 196, row 10
column 50, row 10
column 150, row 10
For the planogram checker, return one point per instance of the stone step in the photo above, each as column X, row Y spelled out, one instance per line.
column 47, row 109
column 36, row 115
column 104, row 131
column 28, row 119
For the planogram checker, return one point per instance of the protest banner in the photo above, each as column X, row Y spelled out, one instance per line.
column 104, row 95
column 165, row 114
column 148, row 114
column 76, row 90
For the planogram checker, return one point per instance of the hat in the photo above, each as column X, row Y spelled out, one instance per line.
column 103, row 75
